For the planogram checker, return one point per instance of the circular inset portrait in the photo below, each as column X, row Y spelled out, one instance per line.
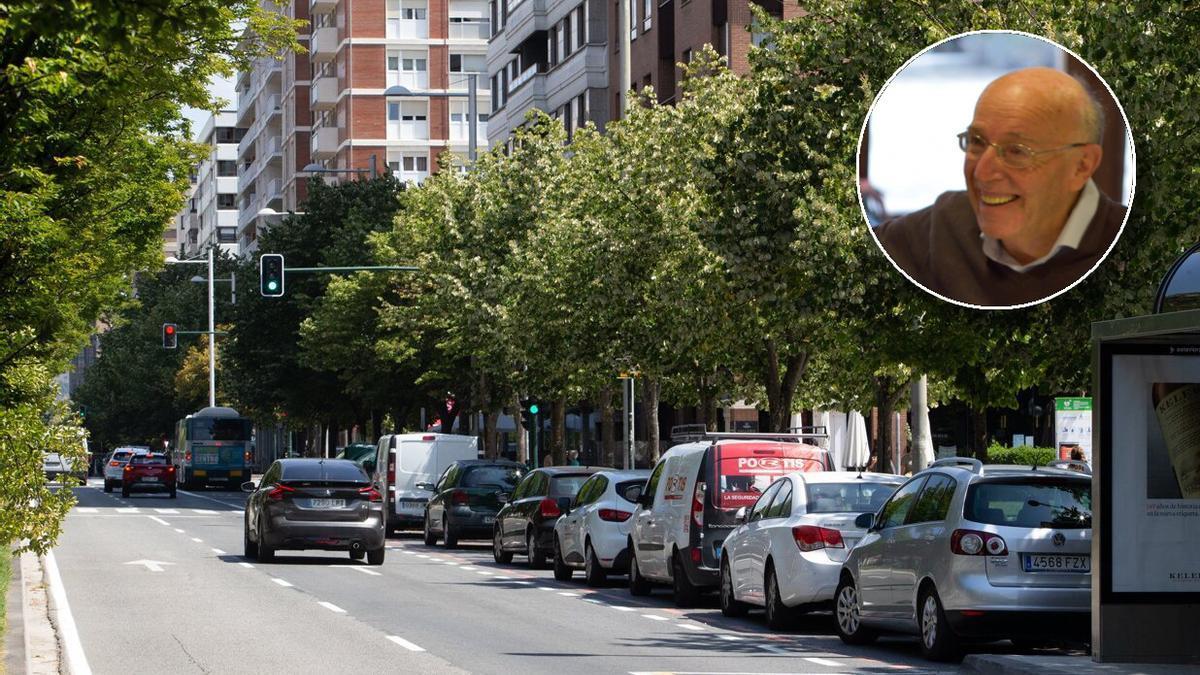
column 996, row 169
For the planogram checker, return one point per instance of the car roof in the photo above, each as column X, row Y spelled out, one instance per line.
column 626, row 474
column 569, row 470
column 488, row 462
column 985, row 471
column 846, row 477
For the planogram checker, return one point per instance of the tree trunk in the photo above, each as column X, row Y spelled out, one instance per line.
column 522, row 438
column 708, row 403
column 887, row 393
column 781, row 387
column 490, row 439
column 558, row 428
column 980, row 435
column 607, row 427
column 650, row 395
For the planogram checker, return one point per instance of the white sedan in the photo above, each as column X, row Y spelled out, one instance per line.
column 787, row 552
column 594, row 533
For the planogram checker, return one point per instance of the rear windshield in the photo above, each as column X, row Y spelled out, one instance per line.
column 566, row 486
column 856, row 497
column 630, row 490
column 745, row 470
column 341, row 470
column 121, row 455
column 499, row 477
column 1031, row 502
column 150, row 460
column 220, row 429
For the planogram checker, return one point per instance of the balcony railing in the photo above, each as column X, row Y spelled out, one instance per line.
column 525, row 76
column 323, row 44
column 324, row 93
column 470, row 30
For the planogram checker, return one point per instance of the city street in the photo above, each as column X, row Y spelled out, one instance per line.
column 159, row 585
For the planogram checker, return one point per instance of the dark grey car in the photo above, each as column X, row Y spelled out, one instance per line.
column 323, row 504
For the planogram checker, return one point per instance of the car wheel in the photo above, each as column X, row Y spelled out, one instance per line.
column 846, row 612
column 561, row 571
column 375, row 557
column 779, row 615
column 938, row 641
column 638, row 585
column 107, row 486
column 249, row 548
column 449, row 535
column 358, row 554
column 537, row 559
column 266, row 554
column 593, row 573
column 730, row 606
column 430, row 537
column 502, row 557
column 686, row 593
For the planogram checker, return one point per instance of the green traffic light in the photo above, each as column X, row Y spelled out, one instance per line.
column 272, row 285
column 533, row 408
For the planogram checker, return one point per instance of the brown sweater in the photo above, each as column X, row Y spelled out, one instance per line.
column 940, row 248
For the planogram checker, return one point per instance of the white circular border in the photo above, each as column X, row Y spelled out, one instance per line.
column 1128, row 135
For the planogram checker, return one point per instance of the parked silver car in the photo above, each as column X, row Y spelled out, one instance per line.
column 966, row 551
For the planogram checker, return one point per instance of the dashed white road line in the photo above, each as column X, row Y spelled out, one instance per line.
column 655, row 617
column 86, row 509
column 281, row 582
column 569, row 594
column 405, row 643
column 218, row 551
column 691, row 626
column 128, row 509
column 179, row 530
column 169, row 512
column 524, row 583
column 246, row 565
column 726, row 636
column 773, row 649
column 198, row 541
column 619, row 608
column 363, row 570
column 160, row 521
column 205, row 512
column 822, row 662
column 331, row 607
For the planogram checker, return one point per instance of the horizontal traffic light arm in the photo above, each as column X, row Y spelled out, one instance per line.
column 395, row 268
column 201, row 332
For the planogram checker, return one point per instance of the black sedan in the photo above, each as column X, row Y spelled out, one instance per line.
column 323, row 504
column 526, row 524
column 468, row 495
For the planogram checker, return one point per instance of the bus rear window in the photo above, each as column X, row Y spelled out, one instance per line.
column 744, row 470
column 218, row 429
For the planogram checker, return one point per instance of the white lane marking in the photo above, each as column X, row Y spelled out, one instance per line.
column 524, row 583
column 467, row 568
column 731, row 638
column 160, row 521
column 406, row 552
column 130, row 509
column 422, row 555
column 218, row 551
column 76, row 659
column 773, row 649
column 593, row 600
column 569, row 594
column 624, row 609
column 363, row 570
column 152, row 565
column 546, row 588
column 691, row 626
column 281, row 582
column 246, row 565
column 452, row 563
column 502, row 578
column 656, row 618
column 822, row 662
column 331, row 607
column 405, row 643
column 199, row 496
column 198, row 541
column 169, row 512
column 86, row 509
column 484, row 573
column 179, row 530
column 205, row 512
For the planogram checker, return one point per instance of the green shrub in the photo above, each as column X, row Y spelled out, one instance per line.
column 1023, row 454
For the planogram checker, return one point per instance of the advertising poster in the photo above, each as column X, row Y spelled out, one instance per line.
column 1073, row 427
column 1155, row 471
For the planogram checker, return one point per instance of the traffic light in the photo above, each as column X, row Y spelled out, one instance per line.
column 529, row 411
column 270, row 275
column 170, row 336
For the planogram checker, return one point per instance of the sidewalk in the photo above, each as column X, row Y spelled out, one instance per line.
column 31, row 639
column 1016, row 664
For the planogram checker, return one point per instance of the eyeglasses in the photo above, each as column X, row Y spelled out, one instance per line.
column 1014, row 155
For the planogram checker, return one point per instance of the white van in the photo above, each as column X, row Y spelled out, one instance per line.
column 691, row 500
column 403, row 460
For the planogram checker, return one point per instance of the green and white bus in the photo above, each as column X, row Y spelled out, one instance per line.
column 213, row 447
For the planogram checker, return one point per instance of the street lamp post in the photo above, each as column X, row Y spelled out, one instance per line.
column 472, row 96
column 212, row 353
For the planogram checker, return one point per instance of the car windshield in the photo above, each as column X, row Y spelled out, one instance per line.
column 1031, row 502
column 499, row 477
column 149, row 460
column 744, row 470
column 566, row 486
column 856, row 497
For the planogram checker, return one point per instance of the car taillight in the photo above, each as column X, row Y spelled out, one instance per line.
column 171, row 469
column 371, row 494
column 278, row 492
column 187, row 456
column 698, row 504
column 974, row 542
column 813, row 538
column 114, row 463
column 549, row 508
column 614, row 515
column 128, row 468
column 459, row 498
column 249, row 456
column 391, row 469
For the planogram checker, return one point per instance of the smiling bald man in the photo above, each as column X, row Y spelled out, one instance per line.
column 1031, row 221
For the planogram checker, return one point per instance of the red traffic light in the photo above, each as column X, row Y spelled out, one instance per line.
column 170, row 330
column 169, row 336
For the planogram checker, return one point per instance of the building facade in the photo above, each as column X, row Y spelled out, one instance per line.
column 210, row 213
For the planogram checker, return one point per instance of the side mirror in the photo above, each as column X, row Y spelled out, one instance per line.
column 864, row 521
column 249, row 486
column 740, row 516
column 564, row 505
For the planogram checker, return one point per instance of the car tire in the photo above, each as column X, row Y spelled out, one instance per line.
column 502, row 557
column 449, row 535
column 266, row 554
column 430, row 537
column 249, row 548
column 779, row 615
column 846, row 615
column 124, row 490
column 638, row 584
column 537, row 559
column 375, row 556
column 938, row 641
column 561, row 571
column 357, row 554
column 107, row 486
column 593, row 573
column 686, row 593
column 730, row 605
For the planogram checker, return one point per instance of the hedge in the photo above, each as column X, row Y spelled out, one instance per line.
column 1023, row 454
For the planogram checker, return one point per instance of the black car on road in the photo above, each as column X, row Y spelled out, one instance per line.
column 467, row 497
column 323, row 504
column 525, row 525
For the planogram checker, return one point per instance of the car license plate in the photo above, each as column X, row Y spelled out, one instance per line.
column 326, row 503
column 149, row 479
column 1055, row 562
column 488, row 520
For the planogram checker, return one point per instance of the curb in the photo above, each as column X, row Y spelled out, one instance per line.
column 41, row 638
column 1005, row 664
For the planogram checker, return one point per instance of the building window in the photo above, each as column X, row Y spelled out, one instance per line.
column 633, row 19
column 407, row 19
column 581, row 110
column 559, row 51
column 226, row 200
column 227, row 235
column 468, row 63
column 580, row 25
column 410, row 168
column 226, row 167
column 227, row 135
column 408, row 69
column 408, row 120
column 647, row 6
column 687, row 56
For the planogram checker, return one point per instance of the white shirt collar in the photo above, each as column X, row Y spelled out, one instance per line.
column 1070, row 237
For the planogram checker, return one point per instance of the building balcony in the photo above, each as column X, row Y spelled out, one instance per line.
column 321, row 6
column 323, row 93
column 324, row 141
column 323, row 44
column 524, row 18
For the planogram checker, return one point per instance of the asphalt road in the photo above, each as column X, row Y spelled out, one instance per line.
column 159, row 586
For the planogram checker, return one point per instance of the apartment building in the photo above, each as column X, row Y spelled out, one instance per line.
column 274, row 110
column 210, row 214
column 424, row 51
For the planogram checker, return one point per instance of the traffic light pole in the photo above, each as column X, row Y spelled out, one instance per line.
column 212, row 342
